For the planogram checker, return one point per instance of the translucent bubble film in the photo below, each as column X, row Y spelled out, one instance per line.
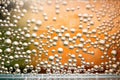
column 60, row 37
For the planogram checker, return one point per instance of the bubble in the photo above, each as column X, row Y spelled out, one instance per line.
column 60, row 50
column 8, row 33
column 51, row 58
column 54, row 18
column 73, row 56
column 85, row 31
column 8, row 41
column 18, row 71
column 67, row 35
column 66, row 43
column 16, row 66
column 15, row 43
column 28, row 52
column 55, row 38
column 113, row 52
column 34, row 35
column 80, row 45
column 35, row 28
column 1, row 50
column 102, row 41
column 8, row 50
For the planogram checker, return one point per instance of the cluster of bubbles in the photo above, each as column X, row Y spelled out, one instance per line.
column 22, row 50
